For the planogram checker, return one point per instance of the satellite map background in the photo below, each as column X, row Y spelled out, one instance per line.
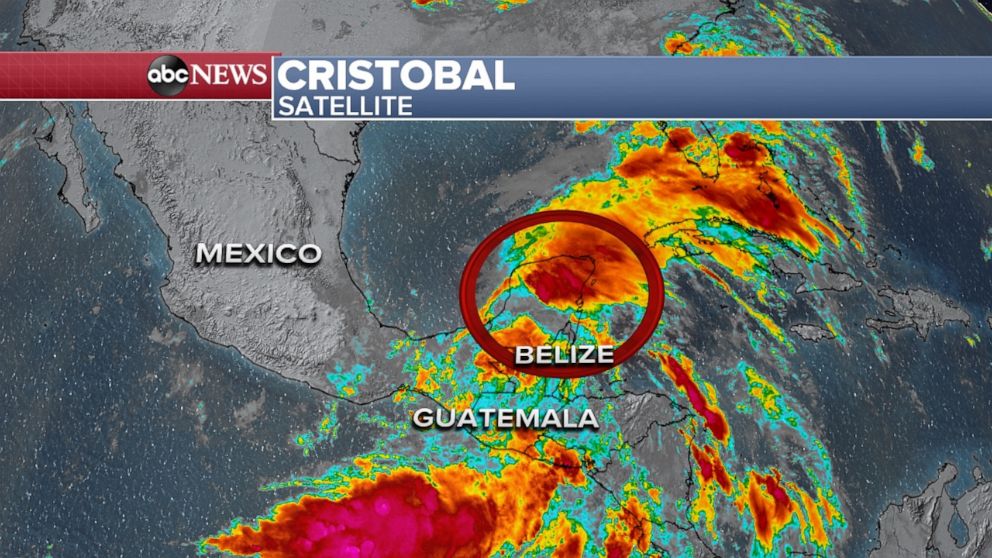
column 151, row 408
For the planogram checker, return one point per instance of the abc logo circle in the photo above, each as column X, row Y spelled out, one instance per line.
column 168, row 75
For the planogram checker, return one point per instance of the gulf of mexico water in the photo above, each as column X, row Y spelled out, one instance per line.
column 420, row 203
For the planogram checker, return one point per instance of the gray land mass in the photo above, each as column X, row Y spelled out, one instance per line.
column 920, row 525
column 919, row 309
column 639, row 413
column 59, row 145
column 811, row 332
column 830, row 280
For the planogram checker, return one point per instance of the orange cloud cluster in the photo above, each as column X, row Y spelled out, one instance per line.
column 667, row 193
column 678, row 43
column 630, row 528
column 450, row 512
column 751, row 191
column 680, row 370
column 770, row 505
column 579, row 263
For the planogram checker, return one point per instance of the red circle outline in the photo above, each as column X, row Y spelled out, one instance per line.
column 652, row 313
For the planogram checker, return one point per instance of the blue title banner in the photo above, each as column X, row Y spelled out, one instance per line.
column 631, row 88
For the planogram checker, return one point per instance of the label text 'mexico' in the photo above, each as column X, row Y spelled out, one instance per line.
column 257, row 254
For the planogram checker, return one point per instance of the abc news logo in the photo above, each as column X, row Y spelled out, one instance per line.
column 168, row 75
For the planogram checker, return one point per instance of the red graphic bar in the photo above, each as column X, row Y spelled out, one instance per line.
column 136, row 75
